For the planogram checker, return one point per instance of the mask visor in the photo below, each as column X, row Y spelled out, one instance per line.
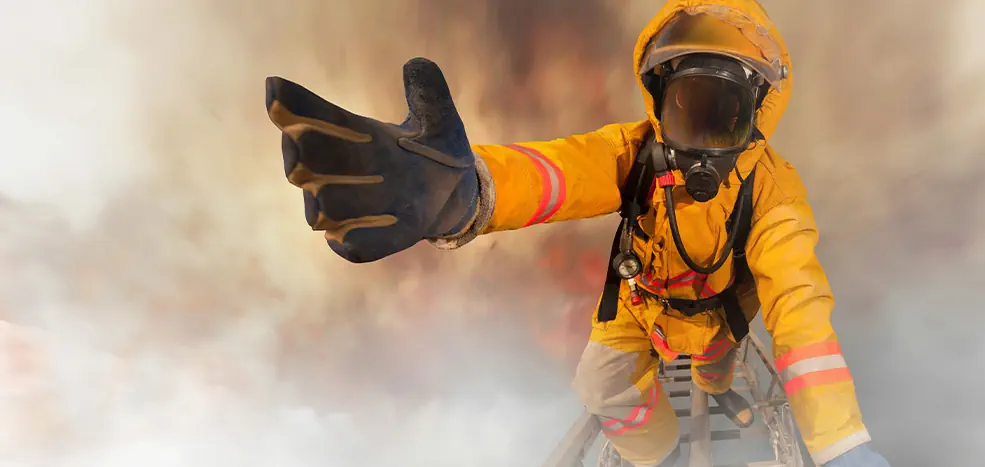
column 707, row 113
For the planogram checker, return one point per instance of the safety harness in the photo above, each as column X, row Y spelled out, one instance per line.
column 635, row 198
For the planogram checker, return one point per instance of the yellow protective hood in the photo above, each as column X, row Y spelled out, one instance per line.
column 753, row 32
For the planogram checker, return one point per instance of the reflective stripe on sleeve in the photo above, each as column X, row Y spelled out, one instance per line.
column 812, row 365
column 553, row 191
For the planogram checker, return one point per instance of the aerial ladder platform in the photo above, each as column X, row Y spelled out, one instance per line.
column 701, row 436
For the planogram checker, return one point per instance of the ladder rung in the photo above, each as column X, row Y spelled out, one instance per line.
column 732, row 434
column 679, row 393
column 755, row 464
column 716, row 410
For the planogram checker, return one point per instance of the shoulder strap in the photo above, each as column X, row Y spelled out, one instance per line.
column 633, row 193
column 745, row 224
column 734, row 315
column 635, row 188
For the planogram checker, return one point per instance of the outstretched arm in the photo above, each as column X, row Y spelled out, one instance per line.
column 529, row 183
column 377, row 188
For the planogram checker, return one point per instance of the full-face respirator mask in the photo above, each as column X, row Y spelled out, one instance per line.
column 706, row 105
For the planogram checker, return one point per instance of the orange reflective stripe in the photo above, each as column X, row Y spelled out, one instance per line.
column 687, row 278
column 707, row 291
column 812, row 365
column 714, row 351
column 680, row 280
column 553, row 189
column 647, row 284
column 680, row 276
column 817, row 378
column 636, row 419
column 819, row 349
column 660, row 343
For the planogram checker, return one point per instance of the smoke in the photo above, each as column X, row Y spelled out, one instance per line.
column 164, row 303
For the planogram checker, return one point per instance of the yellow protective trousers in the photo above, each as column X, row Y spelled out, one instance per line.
column 617, row 381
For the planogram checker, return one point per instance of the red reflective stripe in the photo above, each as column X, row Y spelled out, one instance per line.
column 710, row 375
column 634, row 420
column 636, row 410
column 553, row 187
column 690, row 281
column 661, row 344
column 627, row 427
column 817, row 378
column 681, row 276
column 714, row 351
column 819, row 349
column 562, row 186
column 707, row 292
column 666, row 179
column 687, row 278
column 545, row 179
column 655, row 290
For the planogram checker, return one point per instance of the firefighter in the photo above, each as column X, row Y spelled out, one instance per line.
column 715, row 76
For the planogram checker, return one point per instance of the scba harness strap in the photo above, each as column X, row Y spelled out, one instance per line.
column 648, row 164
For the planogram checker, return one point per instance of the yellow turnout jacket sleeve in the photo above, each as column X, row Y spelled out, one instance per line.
column 568, row 178
column 796, row 305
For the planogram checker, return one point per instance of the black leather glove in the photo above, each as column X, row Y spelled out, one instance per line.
column 377, row 188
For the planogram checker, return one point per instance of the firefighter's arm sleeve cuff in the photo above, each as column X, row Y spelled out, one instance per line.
column 840, row 447
column 484, row 211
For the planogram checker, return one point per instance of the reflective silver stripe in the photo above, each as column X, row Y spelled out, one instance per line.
column 553, row 178
column 841, row 446
column 811, row 365
column 643, row 412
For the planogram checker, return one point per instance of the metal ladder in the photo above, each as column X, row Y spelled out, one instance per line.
column 774, row 421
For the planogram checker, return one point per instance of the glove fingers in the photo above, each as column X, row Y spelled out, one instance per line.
column 296, row 111
column 357, row 239
column 372, row 243
column 324, row 154
column 341, row 212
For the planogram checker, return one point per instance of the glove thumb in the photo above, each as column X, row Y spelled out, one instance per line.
column 428, row 97
column 440, row 133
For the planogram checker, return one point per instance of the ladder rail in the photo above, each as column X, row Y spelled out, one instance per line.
column 773, row 408
column 770, row 403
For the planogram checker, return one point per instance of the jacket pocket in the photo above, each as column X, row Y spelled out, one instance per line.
column 688, row 334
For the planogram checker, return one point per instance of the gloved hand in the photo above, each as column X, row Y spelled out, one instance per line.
column 860, row 456
column 377, row 188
